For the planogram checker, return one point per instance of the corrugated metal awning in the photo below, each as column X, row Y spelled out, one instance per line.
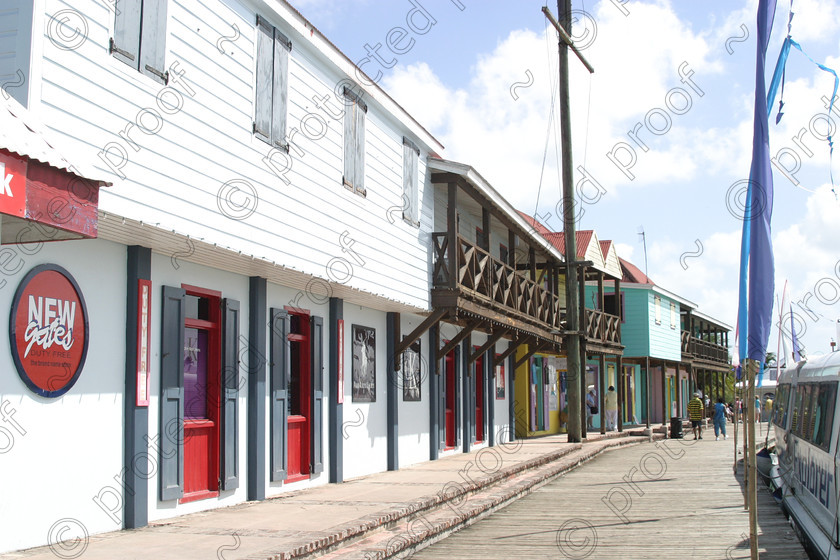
column 22, row 134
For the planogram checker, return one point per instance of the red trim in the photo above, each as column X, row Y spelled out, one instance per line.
column 203, row 292
column 196, row 496
column 214, row 373
column 144, row 329
column 297, row 311
column 297, row 478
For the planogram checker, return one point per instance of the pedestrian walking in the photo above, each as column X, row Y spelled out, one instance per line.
column 719, row 419
column 611, row 404
column 757, row 409
column 695, row 414
column 591, row 406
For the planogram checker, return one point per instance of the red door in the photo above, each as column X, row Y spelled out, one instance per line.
column 300, row 405
column 479, row 399
column 450, row 400
column 202, row 376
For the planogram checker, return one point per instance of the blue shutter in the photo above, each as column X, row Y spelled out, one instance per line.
column 172, row 394
column 473, row 404
column 279, row 371
column 263, row 84
column 279, row 92
column 153, row 40
column 125, row 45
column 316, row 422
column 230, row 395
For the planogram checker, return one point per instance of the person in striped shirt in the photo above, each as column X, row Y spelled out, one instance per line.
column 695, row 414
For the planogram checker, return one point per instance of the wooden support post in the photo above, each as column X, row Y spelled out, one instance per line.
column 619, row 378
column 602, row 389
column 452, row 233
column 649, row 398
column 665, row 411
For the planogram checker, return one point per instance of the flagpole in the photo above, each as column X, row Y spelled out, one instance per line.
column 753, row 474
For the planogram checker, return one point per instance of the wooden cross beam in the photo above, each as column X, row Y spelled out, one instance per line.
column 533, row 350
column 484, row 347
column 511, row 349
column 427, row 323
column 456, row 340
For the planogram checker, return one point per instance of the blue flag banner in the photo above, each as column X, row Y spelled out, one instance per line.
column 756, row 283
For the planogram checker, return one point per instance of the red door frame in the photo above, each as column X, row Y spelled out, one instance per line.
column 213, row 326
column 449, row 401
column 301, row 422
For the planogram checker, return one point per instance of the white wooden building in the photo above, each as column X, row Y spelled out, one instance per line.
column 265, row 247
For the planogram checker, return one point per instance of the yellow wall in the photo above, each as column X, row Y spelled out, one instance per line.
column 522, row 402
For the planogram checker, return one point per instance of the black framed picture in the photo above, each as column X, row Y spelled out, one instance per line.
column 364, row 364
column 411, row 372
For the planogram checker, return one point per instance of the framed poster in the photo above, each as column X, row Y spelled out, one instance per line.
column 411, row 372
column 500, row 381
column 364, row 364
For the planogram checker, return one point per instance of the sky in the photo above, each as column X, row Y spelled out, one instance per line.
column 661, row 132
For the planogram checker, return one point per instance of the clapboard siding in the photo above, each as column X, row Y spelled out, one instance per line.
column 664, row 341
column 636, row 326
column 15, row 48
column 173, row 181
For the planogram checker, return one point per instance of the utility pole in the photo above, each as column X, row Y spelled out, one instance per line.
column 574, row 367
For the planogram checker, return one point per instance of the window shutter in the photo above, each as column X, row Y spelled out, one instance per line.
column 280, row 92
column 230, row 395
column 349, row 140
column 279, row 371
column 317, row 356
column 262, row 95
column 125, row 45
column 473, row 400
column 172, row 394
column 153, row 40
column 359, row 148
column 411, row 210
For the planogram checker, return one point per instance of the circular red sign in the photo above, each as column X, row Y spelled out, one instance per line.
column 48, row 330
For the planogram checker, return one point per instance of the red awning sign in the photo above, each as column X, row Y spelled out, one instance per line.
column 48, row 330
column 13, row 186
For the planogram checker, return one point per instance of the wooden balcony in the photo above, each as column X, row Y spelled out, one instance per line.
column 602, row 330
column 698, row 350
column 479, row 284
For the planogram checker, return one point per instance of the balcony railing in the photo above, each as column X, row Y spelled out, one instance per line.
column 485, row 279
column 685, row 342
column 703, row 349
column 601, row 326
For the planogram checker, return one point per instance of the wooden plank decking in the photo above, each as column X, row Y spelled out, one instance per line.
column 669, row 499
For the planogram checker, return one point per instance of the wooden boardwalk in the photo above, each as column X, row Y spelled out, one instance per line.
column 669, row 499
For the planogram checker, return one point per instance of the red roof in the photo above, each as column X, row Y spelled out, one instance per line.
column 631, row 273
column 605, row 247
column 534, row 223
column 582, row 239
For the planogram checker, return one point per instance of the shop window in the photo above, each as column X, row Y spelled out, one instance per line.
column 140, row 36
column 271, row 87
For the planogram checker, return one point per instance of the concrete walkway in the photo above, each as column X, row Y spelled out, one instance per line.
column 340, row 519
